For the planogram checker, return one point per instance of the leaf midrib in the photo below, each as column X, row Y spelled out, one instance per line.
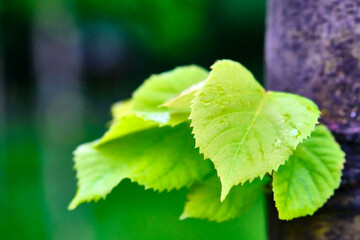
column 259, row 108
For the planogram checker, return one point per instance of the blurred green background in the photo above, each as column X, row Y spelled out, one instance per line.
column 62, row 65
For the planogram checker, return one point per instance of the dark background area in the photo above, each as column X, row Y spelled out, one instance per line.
column 62, row 65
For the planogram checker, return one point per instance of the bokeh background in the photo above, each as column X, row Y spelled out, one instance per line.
column 62, row 64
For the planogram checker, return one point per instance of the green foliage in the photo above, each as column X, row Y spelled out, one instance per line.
column 310, row 176
column 244, row 130
column 127, row 124
column 148, row 98
column 204, row 200
column 182, row 102
column 161, row 87
column 138, row 133
column 121, row 108
column 161, row 158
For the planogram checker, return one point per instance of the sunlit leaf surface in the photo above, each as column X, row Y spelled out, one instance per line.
column 246, row 131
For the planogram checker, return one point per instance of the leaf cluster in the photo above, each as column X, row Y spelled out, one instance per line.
column 220, row 134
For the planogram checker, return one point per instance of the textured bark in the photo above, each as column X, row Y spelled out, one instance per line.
column 313, row 49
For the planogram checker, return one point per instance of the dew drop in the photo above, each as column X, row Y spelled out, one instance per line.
column 224, row 123
column 219, row 89
column 212, row 90
column 277, row 143
column 286, row 117
column 204, row 100
column 295, row 133
column 226, row 102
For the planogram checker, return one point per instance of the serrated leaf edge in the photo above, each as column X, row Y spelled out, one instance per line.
column 311, row 212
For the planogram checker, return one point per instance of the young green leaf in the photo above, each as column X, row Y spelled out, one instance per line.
column 162, row 118
column 309, row 178
column 126, row 120
column 161, row 87
column 246, row 131
column 204, row 200
column 97, row 174
column 126, row 124
column 182, row 101
column 165, row 117
column 121, row 108
column 158, row 158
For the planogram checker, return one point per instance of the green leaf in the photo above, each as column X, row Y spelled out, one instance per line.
column 158, row 158
column 309, row 178
column 97, row 174
column 121, row 108
column 143, row 110
column 182, row 102
column 165, row 118
column 246, row 131
column 126, row 120
column 161, row 87
column 126, row 124
column 204, row 200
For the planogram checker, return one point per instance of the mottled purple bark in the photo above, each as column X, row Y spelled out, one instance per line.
column 313, row 49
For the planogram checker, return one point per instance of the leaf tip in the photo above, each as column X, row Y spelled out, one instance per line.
column 73, row 204
column 224, row 192
column 183, row 216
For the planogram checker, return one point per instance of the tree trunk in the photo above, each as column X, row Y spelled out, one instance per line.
column 313, row 49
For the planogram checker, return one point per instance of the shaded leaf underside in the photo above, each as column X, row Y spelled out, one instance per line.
column 204, row 200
